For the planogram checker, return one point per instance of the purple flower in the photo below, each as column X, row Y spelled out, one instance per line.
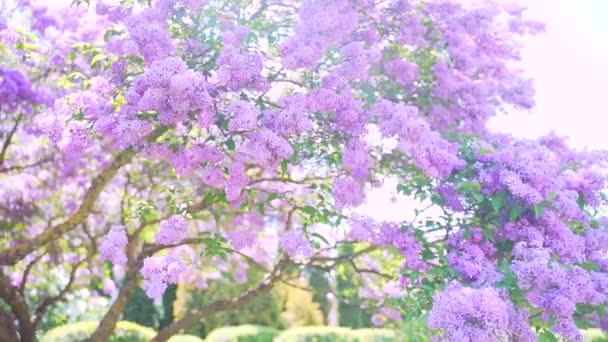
column 113, row 246
column 172, row 231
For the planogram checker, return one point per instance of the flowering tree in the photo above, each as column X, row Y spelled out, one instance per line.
column 185, row 140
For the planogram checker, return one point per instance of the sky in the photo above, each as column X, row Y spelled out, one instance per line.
column 569, row 65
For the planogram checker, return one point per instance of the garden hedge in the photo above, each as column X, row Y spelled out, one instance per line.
column 125, row 332
column 316, row 334
column 82, row 331
column 242, row 333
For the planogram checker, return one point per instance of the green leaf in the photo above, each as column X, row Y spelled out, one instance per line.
column 403, row 189
column 309, row 210
column 591, row 266
column 515, row 212
column 488, row 235
column 98, row 57
column 469, row 187
column 320, row 237
column 230, row 144
column 484, row 151
column 547, row 336
column 538, row 210
column 497, row 202
column 261, row 208
column 581, row 201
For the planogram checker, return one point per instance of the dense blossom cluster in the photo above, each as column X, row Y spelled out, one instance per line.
column 113, row 246
column 389, row 234
column 172, row 230
column 322, row 24
column 159, row 272
column 15, row 89
column 478, row 314
column 295, row 243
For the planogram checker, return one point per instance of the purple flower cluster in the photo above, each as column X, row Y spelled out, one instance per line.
column 172, row 230
column 266, row 149
column 113, row 247
column 431, row 153
column 477, row 314
column 148, row 32
column 348, row 192
column 15, row 89
column 238, row 68
column 474, row 258
column 170, row 89
column 159, row 272
column 556, row 289
column 295, row 243
column 322, row 24
column 386, row 234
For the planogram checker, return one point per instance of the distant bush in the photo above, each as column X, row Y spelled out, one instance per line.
column 300, row 310
column 264, row 310
column 316, row 334
column 81, row 332
column 185, row 338
column 242, row 333
column 375, row 335
column 594, row 335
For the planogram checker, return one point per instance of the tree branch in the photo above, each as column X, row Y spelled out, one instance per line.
column 19, row 308
column 13, row 254
column 46, row 303
column 222, row 304
column 9, row 137
column 27, row 271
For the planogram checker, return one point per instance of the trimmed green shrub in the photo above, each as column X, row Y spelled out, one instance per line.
column 264, row 310
column 140, row 309
column 375, row 335
column 594, row 335
column 415, row 330
column 315, row 334
column 81, row 332
column 185, row 338
column 242, row 333
column 300, row 310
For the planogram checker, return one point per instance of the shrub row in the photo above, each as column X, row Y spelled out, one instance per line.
column 251, row 333
column 124, row 332
column 132, row 332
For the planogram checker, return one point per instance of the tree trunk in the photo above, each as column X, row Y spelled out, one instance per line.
column 221, row 305
column 13, row 298
column 8, row 330
column 108, row 323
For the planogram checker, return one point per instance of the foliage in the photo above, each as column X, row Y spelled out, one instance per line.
column 265, row 310
column 82, row 331
column 350, row 313
column 299, row 307
column 185, row 338
column 168, row 300
column 141, row 309
column 594, row 335
column 321, row 288
column 379, row 335
column 415, row 330
column 242, row 333
column 315, row 334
